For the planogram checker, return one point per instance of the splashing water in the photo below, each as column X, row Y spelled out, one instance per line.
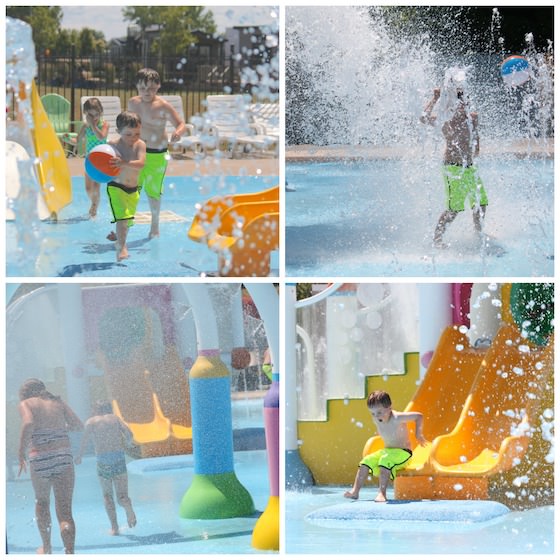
column 366, row 96
column 372, row 91
column 21, row 68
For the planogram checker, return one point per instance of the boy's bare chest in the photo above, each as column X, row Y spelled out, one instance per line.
column 152, row 115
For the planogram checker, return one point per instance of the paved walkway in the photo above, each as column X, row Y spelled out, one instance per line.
column 302, row 153
column 210, row 166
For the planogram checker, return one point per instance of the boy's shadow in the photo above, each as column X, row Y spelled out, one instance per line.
column 100, row 248
column 68, row 221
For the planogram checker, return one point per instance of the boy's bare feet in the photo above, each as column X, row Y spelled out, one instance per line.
column 93, row 211
column 112, row 236
column 439, row 244
column 131, row 517
column 381, row 498
column 153, row 234
column 114, row 531
column 351, row 495
column 43, row 550
column 122, row 254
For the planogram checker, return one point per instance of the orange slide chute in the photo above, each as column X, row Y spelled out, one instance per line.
column 242, row 229
column 493, row 431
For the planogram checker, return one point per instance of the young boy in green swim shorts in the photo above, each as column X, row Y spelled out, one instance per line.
column 392, row 426
column 461, row 178
column 123, row 190
column 110, row 436
column 154, row 112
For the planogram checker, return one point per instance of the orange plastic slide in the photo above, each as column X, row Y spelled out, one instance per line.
column 493, row 431
column 492, row 434
column 207, row 219
column 242, row 229
column 441, row 396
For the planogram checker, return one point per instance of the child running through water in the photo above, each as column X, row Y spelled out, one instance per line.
column 110, row 436
column 45, row 445
column 124, row 191
column 154, row 112
column 392, row 427
column 94, row 132
column 462, row 144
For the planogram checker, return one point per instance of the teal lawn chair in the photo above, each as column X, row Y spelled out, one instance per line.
column 57, row 108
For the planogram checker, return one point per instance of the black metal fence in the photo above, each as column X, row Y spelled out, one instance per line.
column 193, row 78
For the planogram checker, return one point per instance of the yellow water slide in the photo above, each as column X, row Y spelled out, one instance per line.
column 153, row 403
column 242, row 229
column 53, row 172
column 51, row 167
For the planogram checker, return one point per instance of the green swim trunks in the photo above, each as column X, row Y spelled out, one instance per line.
column 123, row 201
column 152, row 175
column 462, row 183
column 391, row 458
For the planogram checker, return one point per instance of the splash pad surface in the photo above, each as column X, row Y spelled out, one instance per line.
column 450, row 511
column 360, row 218
column 156, row 486
column 77, row 246
column 517, row 532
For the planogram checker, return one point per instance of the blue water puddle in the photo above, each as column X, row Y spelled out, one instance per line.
column 156, row 497
column 377, row 218
column 77, row 246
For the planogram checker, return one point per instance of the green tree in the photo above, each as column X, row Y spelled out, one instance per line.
column 44, row 21
column 90, row 41
column 66, row 38
column 175, row 23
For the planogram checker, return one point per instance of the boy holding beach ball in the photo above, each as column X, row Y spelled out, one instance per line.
column 123, row 190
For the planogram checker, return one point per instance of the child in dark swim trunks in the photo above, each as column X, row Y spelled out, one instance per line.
column 45, row 446
column 392, row 427
column 110, row 436
column 124, row 191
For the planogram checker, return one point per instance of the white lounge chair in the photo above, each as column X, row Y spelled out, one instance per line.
column 189, row 141
column 266, row 120
column 227, row 119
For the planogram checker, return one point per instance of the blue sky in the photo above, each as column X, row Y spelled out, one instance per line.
column 113, row 25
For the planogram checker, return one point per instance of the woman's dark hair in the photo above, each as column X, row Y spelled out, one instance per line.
column 34, row 388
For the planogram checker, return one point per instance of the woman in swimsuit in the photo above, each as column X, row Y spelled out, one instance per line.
column 45, row 445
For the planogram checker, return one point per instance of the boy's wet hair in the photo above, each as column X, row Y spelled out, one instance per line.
column 128, row 119
column 145, row 75
column 93, row 104
column 379, row 398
